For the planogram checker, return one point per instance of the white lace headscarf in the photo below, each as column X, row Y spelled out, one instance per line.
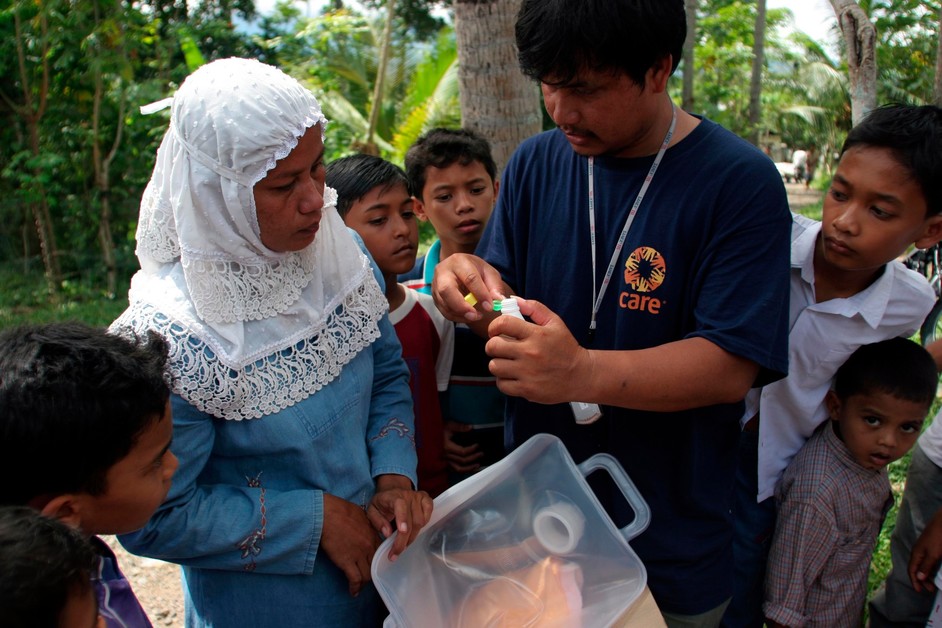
column 252, row 331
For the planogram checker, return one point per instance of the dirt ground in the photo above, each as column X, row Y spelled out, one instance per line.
column 156, row 584
column 799, row 196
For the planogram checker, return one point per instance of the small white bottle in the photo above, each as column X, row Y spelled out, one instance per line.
column 585, row 413
column 508, row 307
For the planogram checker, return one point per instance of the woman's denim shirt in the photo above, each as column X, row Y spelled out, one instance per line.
column 248, row 495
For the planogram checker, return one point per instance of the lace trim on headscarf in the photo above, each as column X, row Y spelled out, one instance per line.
column 156, row 229
column 273, row 383
column 228, row 291
column 288, row 146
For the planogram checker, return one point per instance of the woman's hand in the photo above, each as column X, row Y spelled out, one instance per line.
column 349, row 540
column 395, row 500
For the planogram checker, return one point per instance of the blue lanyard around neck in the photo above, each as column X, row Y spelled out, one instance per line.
column 628, row 220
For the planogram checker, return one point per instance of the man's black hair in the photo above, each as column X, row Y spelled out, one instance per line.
column 556, row 39
column 42, row 563
column 353, row 177
column 898, row 367
column 73, row 401
column 440, row 148
column 913, row 134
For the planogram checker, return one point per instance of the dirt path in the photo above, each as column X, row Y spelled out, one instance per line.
column 799, row 196
column 156, row 584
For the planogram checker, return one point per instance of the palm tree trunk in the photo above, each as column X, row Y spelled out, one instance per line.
column 497, row 100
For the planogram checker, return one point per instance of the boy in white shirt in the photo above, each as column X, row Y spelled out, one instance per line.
column 847, row 290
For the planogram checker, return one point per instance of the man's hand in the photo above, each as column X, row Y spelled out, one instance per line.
column 349, row 540
column 926, row 554
column 460, row 274
column 396, row 501
column 539, row 361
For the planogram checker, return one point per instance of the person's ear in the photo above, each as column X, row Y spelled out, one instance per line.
column 419, row 208
column 496, row 190
column 66, row 508
column 932, row 233
column 659, row 73
column 833, row 404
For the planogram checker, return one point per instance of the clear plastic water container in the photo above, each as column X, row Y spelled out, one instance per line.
column 524, row 542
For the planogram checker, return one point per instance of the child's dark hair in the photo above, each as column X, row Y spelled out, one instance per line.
column 556, row 39
column 44, row 563
column 914, row 136
column 440, row 148
column 353, row 177
column 73, row 401
column 897, row 367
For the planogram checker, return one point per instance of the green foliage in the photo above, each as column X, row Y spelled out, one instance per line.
column 432, row 98
column 416, row 15
column 907, row 32
column 143, row 50
column 23, row 299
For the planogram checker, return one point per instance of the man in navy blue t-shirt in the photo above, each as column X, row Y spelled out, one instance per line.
column 652, row 248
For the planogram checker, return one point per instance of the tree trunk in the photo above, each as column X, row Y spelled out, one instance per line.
column 755, row 83
column 102, row 164
column 687, row 100
column 497, row 100
column 103, row 183
column 937, row 86
column 376, row 104
column 32, row 114
column 860, row 40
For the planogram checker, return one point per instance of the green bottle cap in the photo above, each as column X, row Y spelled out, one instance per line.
column 497, row 305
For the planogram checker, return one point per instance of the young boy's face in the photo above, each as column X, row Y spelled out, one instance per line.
column 458, row 201
column 873, row 211
column 134, row 486
column 877, row 427
column 385, row 219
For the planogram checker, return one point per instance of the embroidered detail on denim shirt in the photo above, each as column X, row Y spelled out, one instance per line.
column 250, row 545
column 397, row 426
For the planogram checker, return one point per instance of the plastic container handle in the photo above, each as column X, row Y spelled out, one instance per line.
column 626, row 486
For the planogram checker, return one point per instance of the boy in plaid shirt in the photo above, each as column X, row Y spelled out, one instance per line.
column 835, row 493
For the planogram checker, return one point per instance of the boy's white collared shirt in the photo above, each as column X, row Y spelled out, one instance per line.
column 821, row 337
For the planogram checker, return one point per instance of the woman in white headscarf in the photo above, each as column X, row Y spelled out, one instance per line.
column 291, row 407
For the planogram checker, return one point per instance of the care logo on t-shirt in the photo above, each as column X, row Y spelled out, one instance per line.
column 645, row 270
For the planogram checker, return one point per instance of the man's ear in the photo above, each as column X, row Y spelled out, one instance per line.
column 659, row 73
column 496, row 190
column 66, row 508
column 932, row 233
column 419, row 208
